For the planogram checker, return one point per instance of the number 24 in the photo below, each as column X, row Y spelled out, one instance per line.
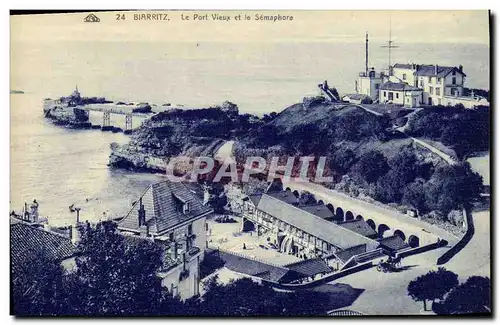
column 120, row 16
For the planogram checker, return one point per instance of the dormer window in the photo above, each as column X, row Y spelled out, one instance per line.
column 186, row 208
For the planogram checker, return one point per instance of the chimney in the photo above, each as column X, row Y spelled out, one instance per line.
column 141, row 213
column 75, row 234
column 460, row 68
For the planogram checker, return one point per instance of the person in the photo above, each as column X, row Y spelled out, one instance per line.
column 244, row 246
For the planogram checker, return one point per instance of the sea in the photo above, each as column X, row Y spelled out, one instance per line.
column 59, row 167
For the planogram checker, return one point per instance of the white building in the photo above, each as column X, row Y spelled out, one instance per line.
column 400, row 93
column 369, row 83
column 435, row 84
column 171, row 216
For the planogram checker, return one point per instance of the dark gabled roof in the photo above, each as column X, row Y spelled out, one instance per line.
column 404, row 65
column 309, row 267
column 355, row 96
column 398, row 86
column 28, row 242
column 442, row 71
column 162, row 205
column 393, row 243
column 429, row 70
column 285, row 196
column 346, row 254
column 319, row 210
column 255, row 198
column 308, row 222
column 360, row 227
column 253, row 267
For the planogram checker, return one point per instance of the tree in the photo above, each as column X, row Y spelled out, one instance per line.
column 371, row 166
column 117, row 277
column 38, row 288
column 341, row 160
column 452, row 187
column 471, row 297
column 433, row 285
column 414, row 195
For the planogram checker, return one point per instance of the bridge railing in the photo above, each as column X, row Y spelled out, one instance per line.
column 345, row 312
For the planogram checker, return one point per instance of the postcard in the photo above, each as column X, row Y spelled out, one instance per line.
column 250, row 163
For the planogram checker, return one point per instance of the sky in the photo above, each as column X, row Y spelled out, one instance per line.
column 318, row 26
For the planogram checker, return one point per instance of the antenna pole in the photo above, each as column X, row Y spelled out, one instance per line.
column 390, row 42
column 366, row 55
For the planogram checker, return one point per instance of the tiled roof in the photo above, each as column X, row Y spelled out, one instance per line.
column 404, row 65
column 285, row 196
column 398, row 86
column 430, row 70
column 309, row 267
column 28, row 242
column 319, row 210
column 252, row 267
column 359, row 226
column 355, row 96
column 163, row 208
column 346, row 254
column 316, row 226
column 255, row 198
column 393, row 242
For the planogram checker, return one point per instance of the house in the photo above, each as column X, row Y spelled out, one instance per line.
column 29, row 241
column 355, row 98
column 172, row 216
column 400, row 93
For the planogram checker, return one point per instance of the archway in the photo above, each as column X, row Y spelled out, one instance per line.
column 340, row 213
column 372, row 224
column 248, row 226
column 400, row 234
column 288, row 189
column 381, row 229
column 349, row 216
column 413, row 241
column 296, row 193
column 330, row 207
column 359, row 217
column 320, row 202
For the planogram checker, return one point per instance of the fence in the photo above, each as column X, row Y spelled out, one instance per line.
column 345, row 312
column 217, row 248
column 463, row 242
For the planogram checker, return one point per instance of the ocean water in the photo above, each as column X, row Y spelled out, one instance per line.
column 59, row 167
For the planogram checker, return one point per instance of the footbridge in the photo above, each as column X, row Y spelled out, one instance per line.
column 386, row 222
column 108, row 109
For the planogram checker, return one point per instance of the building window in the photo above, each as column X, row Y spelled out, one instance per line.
column 404, row 76
column 454, row 72
column 171, row 236
column 385, row 94
column 391, row 95
column 190, row 229
column 454, row 81
column 421, row 83
column 438, row 91
column 397, row 95
column 377, row 86
column 431, row 90
column 430, row 79
column 440, row 80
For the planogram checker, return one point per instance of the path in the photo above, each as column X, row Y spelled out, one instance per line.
column 225, row 151
column 386, row 293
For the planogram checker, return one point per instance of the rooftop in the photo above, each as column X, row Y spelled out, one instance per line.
column 162, row 206
column 312, row 224
column 398, row 86
column 28, row 242
column 429, row 70
column 360, row 227
column 346, row 254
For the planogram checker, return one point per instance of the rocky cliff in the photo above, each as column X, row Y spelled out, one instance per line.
column 66, row 116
